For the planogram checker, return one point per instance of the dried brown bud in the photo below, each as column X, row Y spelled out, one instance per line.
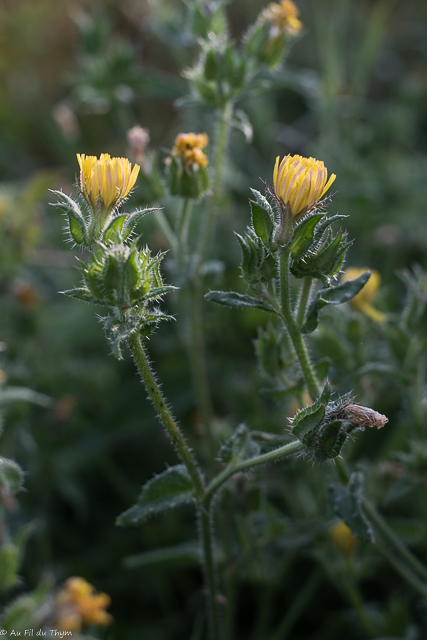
column 364, row 416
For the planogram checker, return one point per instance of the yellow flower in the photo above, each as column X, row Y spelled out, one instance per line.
column 343, row 538
column 283, row 18
column 188, row 147
column 362, row 301
column 300, row 182
column 106, row 181
column 77, row 604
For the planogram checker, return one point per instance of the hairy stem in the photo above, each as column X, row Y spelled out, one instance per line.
column 164, row 414
column 210, row 571
column 182, row 227
column 303, row 301
column 289, row 320
column 185, row 454
column 244, row 465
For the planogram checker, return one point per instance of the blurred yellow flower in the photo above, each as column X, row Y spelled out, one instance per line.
column 343, row 538
column 362, row 301
column 188, row 147
column 78, row 604
column 300, row 182
column 106, row 181
column 283, row 18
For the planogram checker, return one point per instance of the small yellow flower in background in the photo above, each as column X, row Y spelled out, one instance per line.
column 283, row 18
column 300, row 182
column 362, row 301
column 106, row 181
column 78, row 604
column 188, row 147
column 343, row 538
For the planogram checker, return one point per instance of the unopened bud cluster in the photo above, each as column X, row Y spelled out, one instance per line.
column 324, row 426
column 187, row 166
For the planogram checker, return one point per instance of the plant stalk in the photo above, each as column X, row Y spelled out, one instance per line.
column 292, row 328
column 185, row 454
column 164, row 414
column 303, row 301
column 244, row 465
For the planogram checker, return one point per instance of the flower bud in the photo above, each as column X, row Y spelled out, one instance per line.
column 187, row 166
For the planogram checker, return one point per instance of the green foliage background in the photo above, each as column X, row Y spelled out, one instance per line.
column 353, row 93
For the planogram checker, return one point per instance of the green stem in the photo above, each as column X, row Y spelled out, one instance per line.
column 386, row 531
column 210, row 572
column 303, row 301
column 401, row 568
column 223, row 130
column 289, row 320
column 357, row 603
column 298, row 606
column 184, row 452
column 198, row 363
column 165, row 416
column 392, row 538
column 182, row 227
column 244, row 465
column 164, row 225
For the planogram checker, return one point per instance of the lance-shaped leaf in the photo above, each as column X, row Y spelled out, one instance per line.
column 334, row 295
column 112, row 233
column 239, row 446
column 346, row 502
column 238, row 300
column 303, row 236
column 76, row 220
column 307, row 421
column 166, row 491
column 80, row 293
column 133, row 219
column 262, row 217
column 187, row 553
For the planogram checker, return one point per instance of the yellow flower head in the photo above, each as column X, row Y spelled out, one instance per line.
column 188, row 147
column 283, row 18
column 300, row 182
column 77, row 604
column 106, row 181
column 362, row 301
column 343, row 538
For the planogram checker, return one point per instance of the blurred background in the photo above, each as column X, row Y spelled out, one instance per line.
column 74, row 78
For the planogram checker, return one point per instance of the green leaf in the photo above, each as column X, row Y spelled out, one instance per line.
column 187, row 553
column 346, row 502
column 77, row 229
column 11, row 476
column 81, row 293
column 166, row 491
column 334, row 295
column 262, row 217
column 309, row 423
column 22, row 394
column 238, row 300
column 133, row 219
column 160, row 291
column 240, row 446
column 303, row 236
column 309, row 418
column 112, row 233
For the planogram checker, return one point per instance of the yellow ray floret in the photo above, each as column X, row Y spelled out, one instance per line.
column 300, row 182
column 107, row 180
column 283, row 18
column 363, row 300
column 78, row 604
column 188, row 146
